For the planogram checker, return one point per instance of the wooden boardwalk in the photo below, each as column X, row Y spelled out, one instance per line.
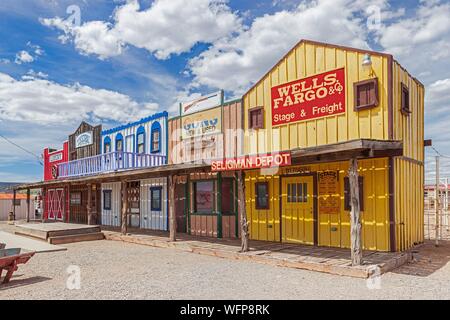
column 329, row 260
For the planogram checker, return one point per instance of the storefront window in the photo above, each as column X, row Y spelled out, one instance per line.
column 75, row 198
column 204, row 196
column 155, row 198
column 262, row 196
column 227, row 196
column 107, row 197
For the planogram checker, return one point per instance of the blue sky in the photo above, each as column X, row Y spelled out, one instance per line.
column 128, row 59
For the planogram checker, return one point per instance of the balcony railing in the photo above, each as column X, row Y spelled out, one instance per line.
column 109, row 162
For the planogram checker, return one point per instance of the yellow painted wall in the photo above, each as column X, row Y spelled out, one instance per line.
column 409, row 169
column 309, row 59
column 265, row 224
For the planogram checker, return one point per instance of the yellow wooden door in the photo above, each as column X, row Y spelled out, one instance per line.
column 297, row 212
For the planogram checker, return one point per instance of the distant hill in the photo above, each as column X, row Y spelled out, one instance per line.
column 6, row 186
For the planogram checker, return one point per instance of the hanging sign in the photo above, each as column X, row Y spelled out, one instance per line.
column 318, row 96
column 252, row 162
column 84, row 139
column 55, row 157
column 202, row 103
column 202, row 123
column 329, row 198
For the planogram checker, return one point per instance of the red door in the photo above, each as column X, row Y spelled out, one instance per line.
column 56, row 204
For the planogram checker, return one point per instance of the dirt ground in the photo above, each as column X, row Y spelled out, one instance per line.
column 117, row 270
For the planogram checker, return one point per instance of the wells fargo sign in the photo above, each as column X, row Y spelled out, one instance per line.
column 202, row 123
column 252, row 162
column 309, row 98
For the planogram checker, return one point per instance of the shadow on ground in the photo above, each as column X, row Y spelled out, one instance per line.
column 16, row 283
column 427, row 259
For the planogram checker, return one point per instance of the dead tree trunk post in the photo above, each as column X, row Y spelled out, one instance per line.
column 124, row 218
column 172, row 220
column 89, row 205
column 14, row 205
column 28, row 204
column 241, row 202
column 355, row 219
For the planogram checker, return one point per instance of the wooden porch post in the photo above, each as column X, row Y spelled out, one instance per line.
column 355, row 219
column 89, row 205
column 172, row 220
column 124, row 225
column 241, row 205
column 28, row 204
column 14, row 204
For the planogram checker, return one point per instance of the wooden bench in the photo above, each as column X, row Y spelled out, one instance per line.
column 10, row 259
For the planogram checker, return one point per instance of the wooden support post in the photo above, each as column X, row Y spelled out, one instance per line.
column 242, row 210
column 172, row 219
column 28, row 204
column 14, row 205
column 89, row 205
column 355, row 219
column 124, row 225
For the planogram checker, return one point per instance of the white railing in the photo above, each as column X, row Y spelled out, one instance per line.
column 109, row 162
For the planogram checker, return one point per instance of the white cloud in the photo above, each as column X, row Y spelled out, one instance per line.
column 45, row 102
column 23, row 57
column 233, row 63
column 31, row 75
column 4, row 61
column 167, row 27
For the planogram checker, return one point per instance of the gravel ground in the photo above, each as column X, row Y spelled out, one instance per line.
column 116, row 270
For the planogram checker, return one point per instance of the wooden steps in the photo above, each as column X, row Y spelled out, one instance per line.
column 76, row 238
column 60, row 233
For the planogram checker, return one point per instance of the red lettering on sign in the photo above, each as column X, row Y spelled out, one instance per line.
column 309, row 98
column 252, row 162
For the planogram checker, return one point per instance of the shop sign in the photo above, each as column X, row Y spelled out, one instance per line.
column 202, row 103
column 202, row 123
column 56, row 157
column 329, row 199
column 84, row 139
column 252, row 162
column 314, row 97
column 297, row 170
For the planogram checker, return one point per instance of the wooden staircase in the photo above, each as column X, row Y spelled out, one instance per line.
column 62, row 234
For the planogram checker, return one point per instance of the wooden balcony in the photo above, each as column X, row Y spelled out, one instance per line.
column 109, row 162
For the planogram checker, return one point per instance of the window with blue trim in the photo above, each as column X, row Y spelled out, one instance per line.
column 140, row 140
column 107, row 145
column 156, row 198
column 119, row 143
column 156, row 138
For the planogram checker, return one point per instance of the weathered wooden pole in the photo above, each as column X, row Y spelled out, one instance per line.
column 124, row 220
column 28, row 204
column 14, row 204
column 172, row 219
column 438, row 204
column 89, row 205
column 241, row 208
column 355, row 219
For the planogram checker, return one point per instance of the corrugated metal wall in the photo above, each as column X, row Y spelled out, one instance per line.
column 21, row 211
column 112, row 217
column 333, row 229
column 154, row 220
column 306, row 60
column 409, row 169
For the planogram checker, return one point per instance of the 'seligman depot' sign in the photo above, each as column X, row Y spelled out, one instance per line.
column 252, row 162
column 309, row 98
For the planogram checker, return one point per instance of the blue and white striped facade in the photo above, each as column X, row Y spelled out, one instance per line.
column 130, row 135
column 138, row 145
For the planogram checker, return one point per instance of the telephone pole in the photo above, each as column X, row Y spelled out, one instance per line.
column 437, row 224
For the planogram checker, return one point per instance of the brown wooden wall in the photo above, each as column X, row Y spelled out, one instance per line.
column 222, row 145
column 87, row 151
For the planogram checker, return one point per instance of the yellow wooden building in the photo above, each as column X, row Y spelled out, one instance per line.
column 326, row 104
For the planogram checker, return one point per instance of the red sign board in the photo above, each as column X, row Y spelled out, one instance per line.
column 318, row 96
column 252, row 162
